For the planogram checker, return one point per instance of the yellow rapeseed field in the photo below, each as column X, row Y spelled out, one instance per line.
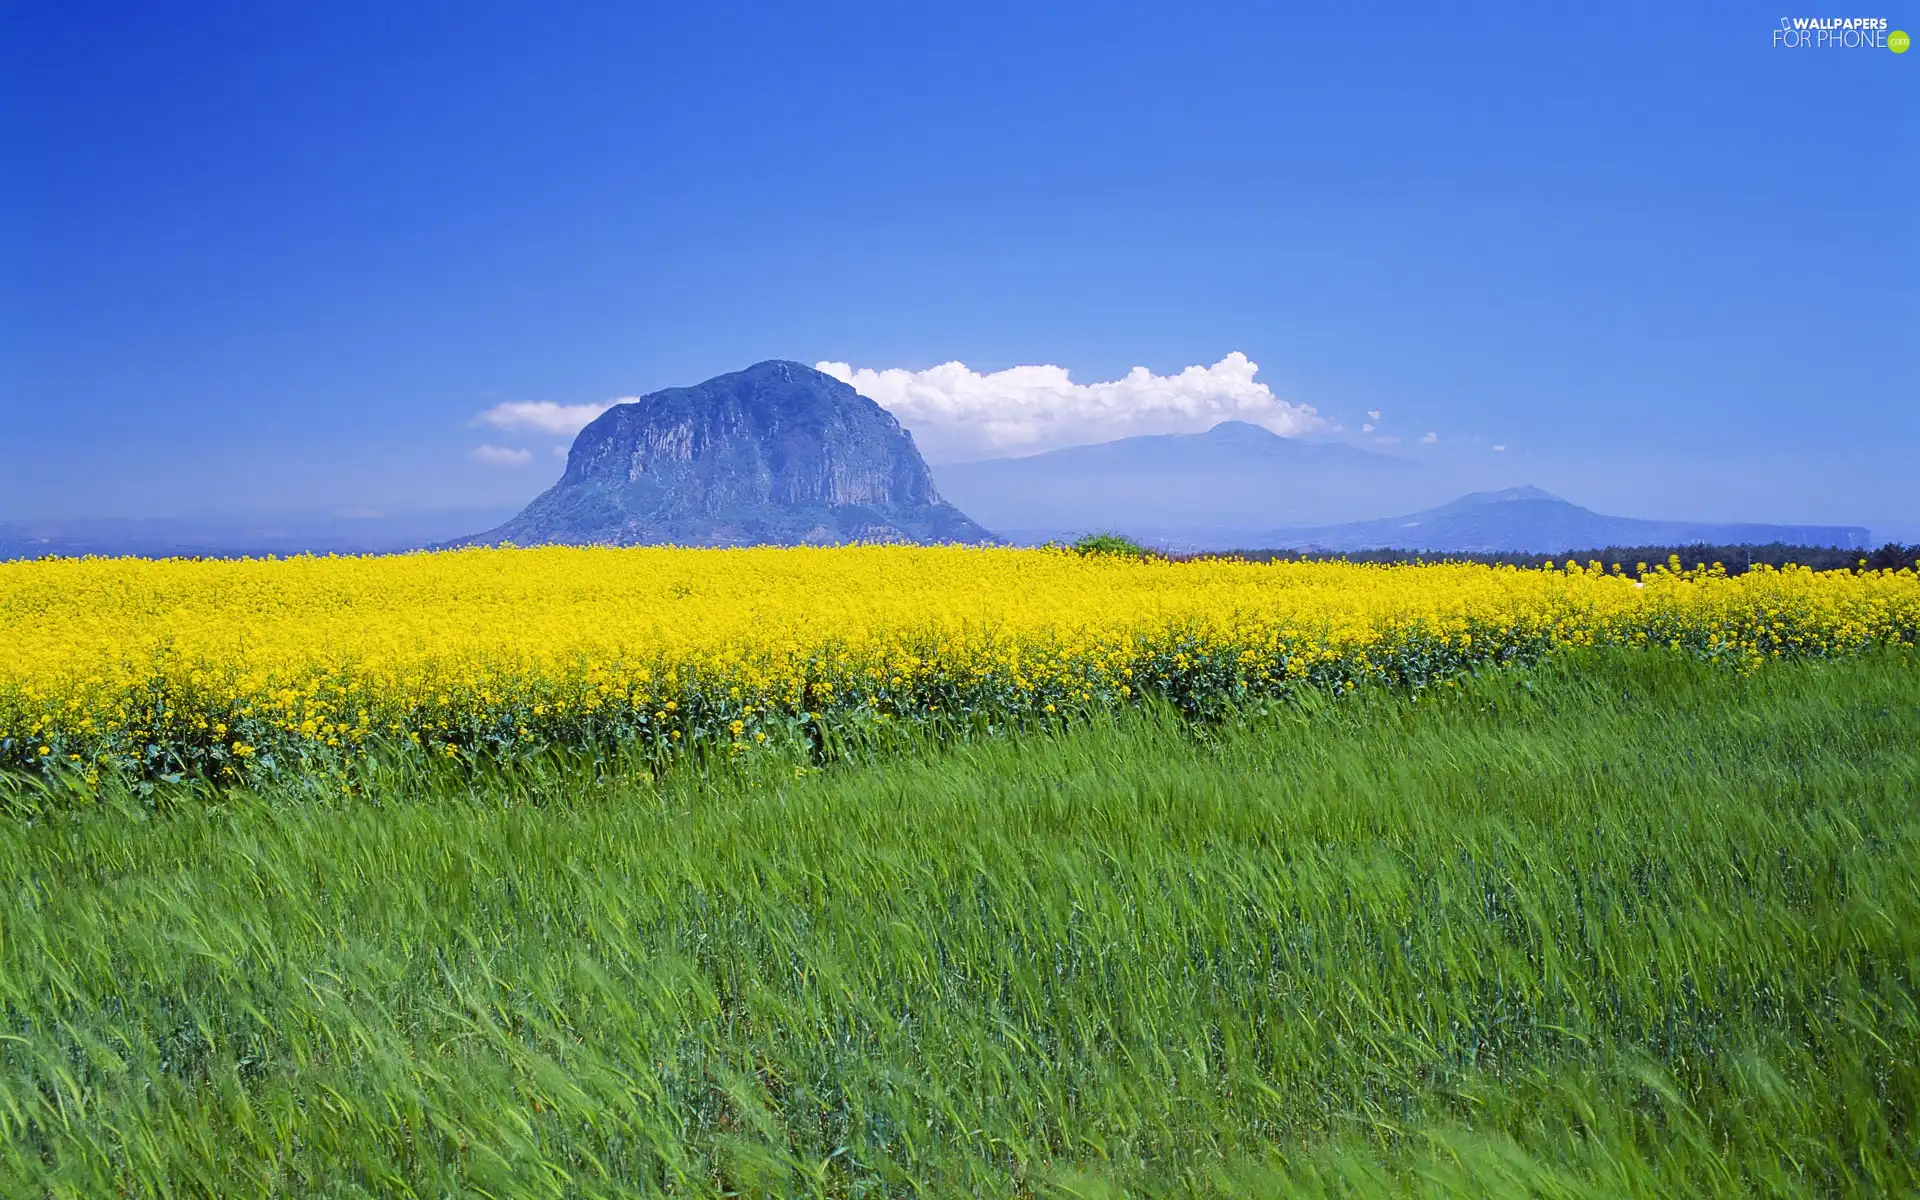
column 230, row 668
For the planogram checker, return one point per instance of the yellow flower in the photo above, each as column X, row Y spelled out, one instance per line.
column 562, row 640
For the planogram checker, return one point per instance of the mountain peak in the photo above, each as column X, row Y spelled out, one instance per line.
column 776, row 369
column 1241, row 431
column 1510, row 495
column 777, row 453
column 1235, row 475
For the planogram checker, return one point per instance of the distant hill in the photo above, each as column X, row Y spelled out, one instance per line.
column 776, row 454
column 1205, row 487
column 1526, row 520
column 217, row 535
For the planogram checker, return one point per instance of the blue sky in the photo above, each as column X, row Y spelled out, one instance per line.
column 273, row 257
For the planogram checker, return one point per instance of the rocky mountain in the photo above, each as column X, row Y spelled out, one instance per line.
column 1204, row 488
column 775, row 454
column 1526, row 520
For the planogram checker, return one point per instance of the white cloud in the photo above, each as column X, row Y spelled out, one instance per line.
column 956, row 413
column 1374, row 413
column 1500, row 449
column 1366, row 427
column 502, row 456
column 544, row 416
column 1429, row 438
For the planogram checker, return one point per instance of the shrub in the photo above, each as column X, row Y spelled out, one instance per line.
column 1112, row 544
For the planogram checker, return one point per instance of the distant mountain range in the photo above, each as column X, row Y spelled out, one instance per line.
column 1235, row 476
column 227, row 536
column 783, row 454
column 1242, row 487
column 776, row 454
column 1529, row 521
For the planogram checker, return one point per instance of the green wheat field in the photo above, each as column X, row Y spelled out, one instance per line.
column 1622, row 924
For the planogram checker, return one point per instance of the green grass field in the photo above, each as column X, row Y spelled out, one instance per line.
column 1622, row 925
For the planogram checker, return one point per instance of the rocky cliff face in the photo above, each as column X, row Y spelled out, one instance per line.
column 775, row 454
